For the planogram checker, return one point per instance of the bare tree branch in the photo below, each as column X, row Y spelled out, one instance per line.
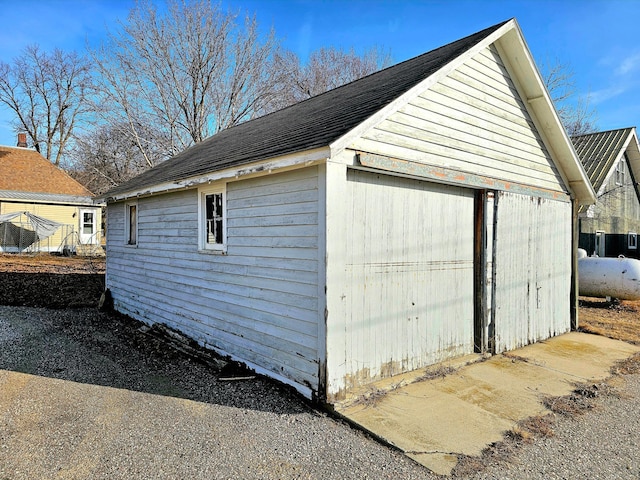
column 576, row 114
column 48, row 94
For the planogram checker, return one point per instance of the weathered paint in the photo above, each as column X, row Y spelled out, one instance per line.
column 452, row 177
column 532, row 270
column 471, row 128
column 258, row 303
column 407, row 290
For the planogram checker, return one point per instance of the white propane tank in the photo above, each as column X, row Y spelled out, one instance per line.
column 609, row 277
column 582, row 253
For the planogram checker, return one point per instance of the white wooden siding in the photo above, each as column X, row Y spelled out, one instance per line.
column 533, row 270
column 258, row 303
column 407, row 287
column 473, row 121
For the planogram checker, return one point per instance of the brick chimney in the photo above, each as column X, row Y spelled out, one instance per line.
column 22, row 140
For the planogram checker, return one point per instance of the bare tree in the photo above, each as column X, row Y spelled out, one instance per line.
column 576, row 114
column 48, row 94
column 187, row 73
column 326, row 69
column 108, row 156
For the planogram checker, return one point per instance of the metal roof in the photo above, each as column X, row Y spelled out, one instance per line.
column 46, row 198
column 599, row 152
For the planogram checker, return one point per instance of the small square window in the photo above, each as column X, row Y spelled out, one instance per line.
column 213, row 221
column 632, row 242
column 131, row 224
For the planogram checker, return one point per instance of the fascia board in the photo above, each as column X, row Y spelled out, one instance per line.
column 521, row 66
column 262, row 167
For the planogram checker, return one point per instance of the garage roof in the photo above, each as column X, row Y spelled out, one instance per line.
column 328, row 120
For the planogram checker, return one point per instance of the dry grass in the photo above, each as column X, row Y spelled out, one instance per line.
column 628, row 366
column 515, row 358
column 498, row 452
column 438, row 371
column 528, row 430
column 617, row 320
column 371, row 397
column 580, row 400
column 535, row 427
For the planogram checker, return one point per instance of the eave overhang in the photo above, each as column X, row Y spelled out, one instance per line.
column 263, row 167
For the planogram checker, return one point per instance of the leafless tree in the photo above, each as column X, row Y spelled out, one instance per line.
column 326, row 69
column 48, row 94
column 576, row 113
column 188, row 73
column 108, row 155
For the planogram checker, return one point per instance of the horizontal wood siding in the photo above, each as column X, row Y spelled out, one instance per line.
column 258, row 302
column 533, row 270
column 473, row 121
column 408, row 281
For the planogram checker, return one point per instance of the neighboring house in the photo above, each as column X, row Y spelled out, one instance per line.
column 31, row 184
column 420, row 213
column 612, row 161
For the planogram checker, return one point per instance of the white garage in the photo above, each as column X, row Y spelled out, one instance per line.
column 423, row 212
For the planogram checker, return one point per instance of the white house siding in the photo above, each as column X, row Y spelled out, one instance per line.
column 474, row 121
column 406, row 294
column 533, row 270
column 258, row 303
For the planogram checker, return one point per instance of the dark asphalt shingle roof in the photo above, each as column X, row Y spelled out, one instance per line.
column 598, row 152
column 313, row 123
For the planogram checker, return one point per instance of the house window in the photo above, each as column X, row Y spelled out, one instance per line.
column 131, row 223
column 620, row 171
column 87, row 223
column 632, row 242
column 213, row 221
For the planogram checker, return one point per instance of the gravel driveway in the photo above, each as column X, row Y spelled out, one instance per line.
column 112, row 402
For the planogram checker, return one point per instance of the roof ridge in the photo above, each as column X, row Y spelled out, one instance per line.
column 395, row 65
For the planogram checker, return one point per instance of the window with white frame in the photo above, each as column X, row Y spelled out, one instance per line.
column 213, row 221
column 131, row 223
column 632, row 241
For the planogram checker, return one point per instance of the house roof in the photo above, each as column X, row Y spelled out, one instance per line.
column 600, row 153
column 326, row 120
column 25, row 174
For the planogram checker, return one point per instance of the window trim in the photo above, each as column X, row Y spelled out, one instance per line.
column 203, row 246
column 127, row 223
column 632, row 241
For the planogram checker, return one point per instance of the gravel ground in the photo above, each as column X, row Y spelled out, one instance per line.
column 228, row 429
column 177, row 418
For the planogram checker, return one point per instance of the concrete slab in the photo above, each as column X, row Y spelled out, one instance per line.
column 463, row 412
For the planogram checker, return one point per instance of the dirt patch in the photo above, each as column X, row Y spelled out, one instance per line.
column 51, row 281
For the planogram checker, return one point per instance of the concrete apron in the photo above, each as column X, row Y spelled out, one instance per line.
column 432, row 421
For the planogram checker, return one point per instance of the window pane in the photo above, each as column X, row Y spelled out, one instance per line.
column 132, row 225
column 87, row 223
column 214, row 213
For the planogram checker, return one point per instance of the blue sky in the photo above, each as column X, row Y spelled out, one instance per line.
column 598, row 39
